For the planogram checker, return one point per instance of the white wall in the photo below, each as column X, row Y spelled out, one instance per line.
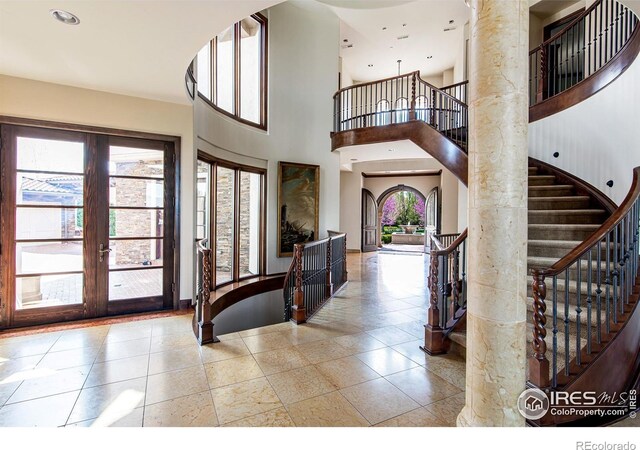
column 351, row 184
column 46, row 101
column 422, row 184
column 303, row 68
column 599, row 138
column 463, row 202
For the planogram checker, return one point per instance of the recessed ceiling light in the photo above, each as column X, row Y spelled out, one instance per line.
column 345, row 40
column 384, row 28
column 390, row 149
column 430, row 56
column 354, row 159
column 369, row 65
column 391, row 46
column 451, row 21
column 404, row 24
column 64, row 16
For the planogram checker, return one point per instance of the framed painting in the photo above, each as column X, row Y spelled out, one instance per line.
column 298, row 204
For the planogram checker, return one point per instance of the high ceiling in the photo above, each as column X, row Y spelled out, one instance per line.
column 420, row 22
column 139, row 48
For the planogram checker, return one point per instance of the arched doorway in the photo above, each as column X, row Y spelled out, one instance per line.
column 389, row 193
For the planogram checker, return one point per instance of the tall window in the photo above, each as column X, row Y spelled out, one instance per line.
column 231, row 215
column 232, row 71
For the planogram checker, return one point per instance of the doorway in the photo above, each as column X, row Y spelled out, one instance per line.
column 402, row 219
column 88, row 225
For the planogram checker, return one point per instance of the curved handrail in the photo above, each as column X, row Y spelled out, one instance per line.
column 190, row 82
column 455, row 244
column 598, row 235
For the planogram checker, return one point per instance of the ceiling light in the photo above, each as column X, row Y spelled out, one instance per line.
column 384, row 28
column 404, row 24
column 345, row 40
column 451, row 21
column 64, row 17
column 390, row 149
column 430, row 56
column 370, row 65
column 354, row 159
column 405, row 36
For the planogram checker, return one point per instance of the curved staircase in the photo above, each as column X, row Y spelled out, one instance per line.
column 583, row 323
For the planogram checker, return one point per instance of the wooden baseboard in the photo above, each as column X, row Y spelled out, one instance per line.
column 353, row 250
column 184, row 304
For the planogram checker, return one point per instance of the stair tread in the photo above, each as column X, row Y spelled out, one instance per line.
column 554, row 243
column 560, row 198
column 546, row 261
column 570, row 226
column 551, row 186
column 567, row 211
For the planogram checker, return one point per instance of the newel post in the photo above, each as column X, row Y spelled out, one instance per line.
column 298, row 311
column 205, row 326
column 434, row 342
column 538, row 362
column 328, row 287
column 344, row 259
column 412, row 111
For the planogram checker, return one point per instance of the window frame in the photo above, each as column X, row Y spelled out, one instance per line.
column 237, row 168
column 264, row 62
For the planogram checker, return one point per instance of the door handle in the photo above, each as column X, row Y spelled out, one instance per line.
column 102, row 251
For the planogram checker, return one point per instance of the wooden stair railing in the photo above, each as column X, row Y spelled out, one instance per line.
column 318, row 270
column 597, row 284
column 447, row 284
column 601, row 41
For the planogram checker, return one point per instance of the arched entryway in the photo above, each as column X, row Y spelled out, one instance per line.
column 386, row 195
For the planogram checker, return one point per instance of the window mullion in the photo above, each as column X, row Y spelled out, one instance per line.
column 213, row 229
column 214, row 76
column 236, row 76
column 236, row 231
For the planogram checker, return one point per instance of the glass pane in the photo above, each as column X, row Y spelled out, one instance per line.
column 135, row 253
column 224, row 70
column 136, row 222
column 50, row 155
column 249, row 223
column 48, row 257
column 136, row 192
column 48, row 223
column 203, row 75
column 135, row 284
column 202, row 200
column 136, row 162
column 224, row 225
column 48, row 290
column 49, row 189
column 250, row 69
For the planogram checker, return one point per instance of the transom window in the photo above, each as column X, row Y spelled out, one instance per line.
column 231, row 215
column 232, row 71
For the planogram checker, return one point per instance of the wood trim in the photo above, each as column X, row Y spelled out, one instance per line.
column 185, row 304
column 599, row 199
column 568, row 20
column 435, row 173
column 420, row 133
column 591, row 85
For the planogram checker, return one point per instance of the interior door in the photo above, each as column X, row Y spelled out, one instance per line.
column 432, row 216
column 369, row 222
column 135, row 226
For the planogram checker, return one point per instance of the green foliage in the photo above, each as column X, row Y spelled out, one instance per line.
column 406, row 208
column 386, row 239
column 112, row 221
column 388, row 229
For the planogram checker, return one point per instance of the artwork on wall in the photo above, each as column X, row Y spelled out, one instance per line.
column 298, row 202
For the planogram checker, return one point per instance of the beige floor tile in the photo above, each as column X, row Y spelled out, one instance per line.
column 449, row 367
column 127, row 349
column 422, row 385
column 280, row 360
column 266, row 342
column 166, row 342
column 299, row 384
column 386, row 361
column 275, row 418
column 416, row 418
column 358, row 343
column 49, row 411
column 346, row 372
column 44, row 382
column 302, row 334
column 178, row 383
column 378, row 400
column 223, row 350
column 128, row 334
column 14, row 369
column 115, row 419
column 83, row 337
column 447, row 410
column 118, row 370
column 243, row 400
column 413, row 351
column 113, row 400
column 28, row 348
column 69, row 358
column 329, row 410
column 414, row 328
column 174, row 360
column 321, row 351
column 229, row 336
column 194, row 410
column 231, row 371
column 391, row 335
column 284, row 326
column 7, row 390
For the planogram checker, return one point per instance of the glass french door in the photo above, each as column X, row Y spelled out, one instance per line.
column 86, row 222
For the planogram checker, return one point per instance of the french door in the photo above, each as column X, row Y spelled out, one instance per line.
column 87, row 225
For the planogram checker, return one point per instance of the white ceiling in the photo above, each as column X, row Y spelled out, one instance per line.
column 383, row 151
column 139, row 48
column 424, row 22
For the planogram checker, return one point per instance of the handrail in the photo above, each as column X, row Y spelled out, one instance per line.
column 600, row 233
column 581, row 49
column 599, row 275
column 190, row 82
column 461, row 83
column 317, row 270
column 442, row 250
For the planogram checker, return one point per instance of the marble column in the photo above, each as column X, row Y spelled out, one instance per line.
column 497, row 272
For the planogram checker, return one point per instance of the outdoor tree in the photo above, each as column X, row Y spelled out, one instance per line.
column 389, row 211
column 406, row 208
